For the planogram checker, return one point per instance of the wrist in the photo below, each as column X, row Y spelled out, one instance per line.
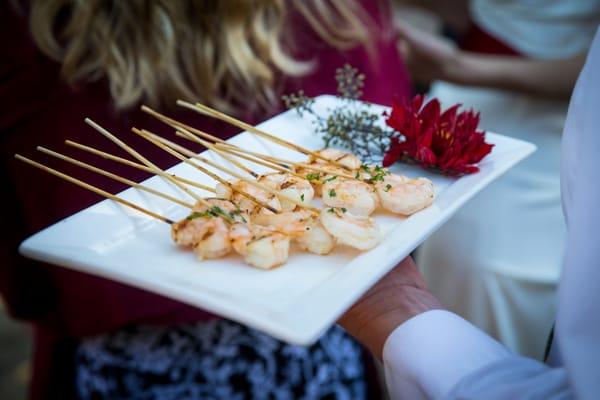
column 462, row 68
column 386, row 313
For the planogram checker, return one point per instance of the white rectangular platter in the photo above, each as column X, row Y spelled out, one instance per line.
column 296, row 302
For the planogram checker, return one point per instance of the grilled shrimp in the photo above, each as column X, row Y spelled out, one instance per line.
column 208, row 235
column 246, row 205
column 344, row 158
column 304, row 227
column 356, row 231
column 405, row 196
column 355, row 196
column 316, row 178
column 216, row 242
column 292, row 223
column 289, row 185
column 189, row 231
column 315, row 239
column 261, row 247
column 229, row 208
column 206, row 230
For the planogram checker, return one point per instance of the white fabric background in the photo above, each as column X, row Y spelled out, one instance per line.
column 497, row 262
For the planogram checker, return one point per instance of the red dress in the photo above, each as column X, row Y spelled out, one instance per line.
column 39, row 109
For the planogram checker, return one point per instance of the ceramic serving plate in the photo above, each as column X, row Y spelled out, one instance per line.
column 295, row 302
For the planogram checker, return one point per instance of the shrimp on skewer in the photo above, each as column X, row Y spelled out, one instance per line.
column 317, row 178
column 207, row 235
column 304, row 228
column 315, row 238
column 290, row 185
column 246, row 205
column 206, row 229
column 348, row 160
column 405, row 196
column 375, row 185
column 356, row 196
column 261, row 247
column 360, row 232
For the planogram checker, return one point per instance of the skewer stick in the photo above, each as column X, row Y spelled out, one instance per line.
column 176, row 124
column 239, row 152
column 156, row 140
column 210, row 146
column 280, row 161
column 148, row 163
column 115, row 177
column 108, row 156
column 92, row 188
column 191, row 154
column 258, row 161
column 202, row 109
column 230, row 148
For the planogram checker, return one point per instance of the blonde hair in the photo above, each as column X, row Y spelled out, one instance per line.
column 226, row 53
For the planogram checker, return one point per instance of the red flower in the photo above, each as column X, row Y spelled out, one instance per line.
column 448, row 141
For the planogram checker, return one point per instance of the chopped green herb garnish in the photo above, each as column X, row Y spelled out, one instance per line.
column 331, row 179
column 357, row 176
column 365, row 168
column 387, row 188
column 302, row 197
column 332, row 193
column 196, row 214
column 331, row 210
column 313, row 177
column 344, row 209
column 238, row 212
column 215, row 211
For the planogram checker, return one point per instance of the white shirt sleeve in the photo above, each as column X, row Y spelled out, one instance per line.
column 426, row 356
column 438, row 354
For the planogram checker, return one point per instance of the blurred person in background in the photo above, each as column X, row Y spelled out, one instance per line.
column 64, row 60
column 496, row 262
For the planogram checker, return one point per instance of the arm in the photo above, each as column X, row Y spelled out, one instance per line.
column 430, row 57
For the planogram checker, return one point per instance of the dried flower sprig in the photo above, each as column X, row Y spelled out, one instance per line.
column 352, row 124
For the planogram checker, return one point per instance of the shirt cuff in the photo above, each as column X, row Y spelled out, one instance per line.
column 428, row 354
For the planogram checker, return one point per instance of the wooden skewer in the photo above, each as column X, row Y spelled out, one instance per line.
column 176, row 124
column 210, row 146
column 202, row 109
column 227, row 147
column 258, row 161
column 191, row 154
column 241, row 153
column 156, row 140
column 114, row 177
column 144, row 160
column 108, row 156
column 277, row 160
column 181, row 132
column 92, row 188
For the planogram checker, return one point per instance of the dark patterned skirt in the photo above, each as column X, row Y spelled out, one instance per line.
column 218, row 359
